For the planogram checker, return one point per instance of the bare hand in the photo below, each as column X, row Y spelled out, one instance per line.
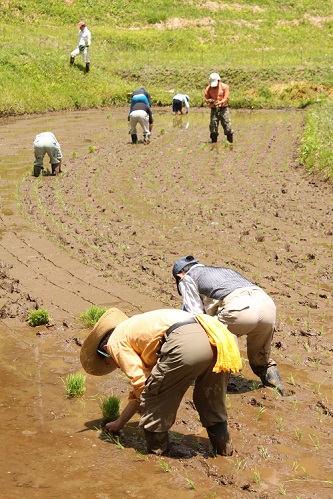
column 113, row 426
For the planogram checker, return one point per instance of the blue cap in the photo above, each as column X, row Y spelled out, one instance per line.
column 180, row 264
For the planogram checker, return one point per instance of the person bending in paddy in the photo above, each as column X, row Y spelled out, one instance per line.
column 238, row 303
column 163, row 352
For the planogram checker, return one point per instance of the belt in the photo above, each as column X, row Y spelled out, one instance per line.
column 179, row 324
column 249, row 290
column 173, row 327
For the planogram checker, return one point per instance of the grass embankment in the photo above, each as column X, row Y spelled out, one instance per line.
column 272, row 54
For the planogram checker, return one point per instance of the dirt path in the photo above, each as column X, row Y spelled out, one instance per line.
column 107, row 233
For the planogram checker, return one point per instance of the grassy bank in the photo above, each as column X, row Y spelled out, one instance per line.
column 271, row 53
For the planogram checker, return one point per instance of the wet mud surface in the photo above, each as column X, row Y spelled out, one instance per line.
column 106, row 232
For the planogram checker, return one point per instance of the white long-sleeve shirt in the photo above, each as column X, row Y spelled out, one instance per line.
column 183, row 98
column 84, row 37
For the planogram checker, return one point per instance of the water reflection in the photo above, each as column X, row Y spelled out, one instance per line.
column 179, row 123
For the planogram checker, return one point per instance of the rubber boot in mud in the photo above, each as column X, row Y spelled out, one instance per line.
column 87, row 67
column 157, row 443
column 71, row 61
column 37, row 170
column 214, row 136
column 220, row 439
column 271, row 378
column 230, row 139
column 134, row 138
column 54, row 170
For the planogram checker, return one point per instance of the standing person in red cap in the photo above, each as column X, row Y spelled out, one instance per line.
column 83, row 45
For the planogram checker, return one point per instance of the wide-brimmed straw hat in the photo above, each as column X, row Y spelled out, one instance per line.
column 91, row 362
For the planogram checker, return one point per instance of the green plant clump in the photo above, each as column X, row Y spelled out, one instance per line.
column 38, row 317
column 110, row 408
column 75, row 385
column 317, row 141
column 92, row 315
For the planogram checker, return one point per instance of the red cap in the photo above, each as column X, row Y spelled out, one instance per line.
column 81, row 23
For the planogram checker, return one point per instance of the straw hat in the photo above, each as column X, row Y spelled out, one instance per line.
column 91, row 362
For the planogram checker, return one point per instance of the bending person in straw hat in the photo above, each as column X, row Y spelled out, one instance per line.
column 163, row 352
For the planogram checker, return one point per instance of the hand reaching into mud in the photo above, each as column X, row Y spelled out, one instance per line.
column 114, row 426
column 125, row 416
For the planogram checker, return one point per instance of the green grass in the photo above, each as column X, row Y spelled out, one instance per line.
column 38, row 317
column 92, row 315
column 317, row 141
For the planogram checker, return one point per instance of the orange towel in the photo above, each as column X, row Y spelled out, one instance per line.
column 228, row 356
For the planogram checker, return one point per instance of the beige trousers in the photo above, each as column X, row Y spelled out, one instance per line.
column 187, row 356
column 252, row 312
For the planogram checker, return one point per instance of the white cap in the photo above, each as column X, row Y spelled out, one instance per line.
column 214, row 79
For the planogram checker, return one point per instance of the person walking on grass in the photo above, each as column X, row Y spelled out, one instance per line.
column 163, row 352
column 140, row 113
column 178, row 102
column 238, row 303
column 46, row 143
column 83, row 47
column 217, row 97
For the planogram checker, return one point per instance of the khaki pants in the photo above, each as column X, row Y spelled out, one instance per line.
column 187, row 356
column 142, row 118
column 252, row 312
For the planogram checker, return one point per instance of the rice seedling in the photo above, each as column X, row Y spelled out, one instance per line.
column 298, row 433
column 291, row 380
column 75, row 384
column 279, row 423
column 256, row 476
column 282, row 490
column 306, row 474
column 315, row 440
column 239, row 463
column 141, row 456
column 110, row 407
column 263, row 452
column 74, row 154
column 191, row 484
column 38, row 317
column 307, row 346
column 164, row 466
column 114, row 439
column 260, row 412
column 92, row 315
column 294, row 403
column 295, row 466
column 91, row 149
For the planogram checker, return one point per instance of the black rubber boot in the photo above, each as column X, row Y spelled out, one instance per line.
column 37, row 170
column 134, row 138
column 230, row 137
column 270, row 377
column 220, row 439
column 157, row 443
column 87, row 67
column 71, row 61
column 214, row 136
column 54, row 167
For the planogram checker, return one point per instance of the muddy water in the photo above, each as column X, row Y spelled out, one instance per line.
column 50, row 445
